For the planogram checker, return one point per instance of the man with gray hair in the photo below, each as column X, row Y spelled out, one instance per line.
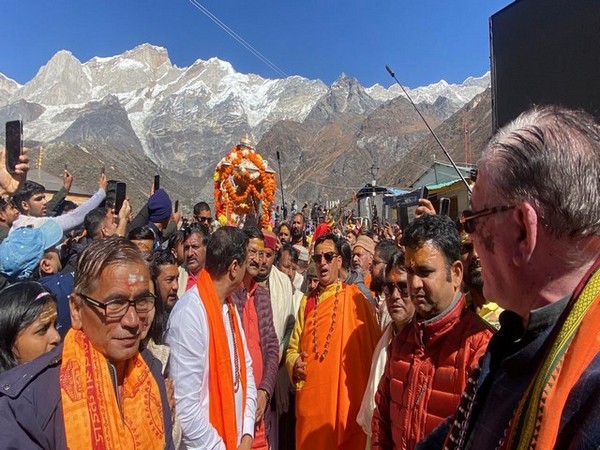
column 536, row 227
column 97, row 386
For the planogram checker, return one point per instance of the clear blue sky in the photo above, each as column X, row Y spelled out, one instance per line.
column 423, row 40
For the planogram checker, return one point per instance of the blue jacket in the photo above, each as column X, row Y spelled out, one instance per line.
column 31, row 415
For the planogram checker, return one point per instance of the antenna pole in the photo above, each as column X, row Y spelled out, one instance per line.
column 391, row 72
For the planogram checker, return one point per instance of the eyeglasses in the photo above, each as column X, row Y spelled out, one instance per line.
column 253, row 253
column 203, row 219
column 468, row 217
column 390, row 287
column 115, row 309
column 317, row 257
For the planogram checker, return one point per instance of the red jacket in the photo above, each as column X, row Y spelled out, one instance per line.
column 426, row 372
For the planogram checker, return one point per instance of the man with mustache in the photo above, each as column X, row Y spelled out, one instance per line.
column 430, row 359
column 299, row 230
column 329, row 356
column 97, row 386
column 163, row 269
column 400, row 309
column 253, row 303
column 194, row 248
column 473, row 285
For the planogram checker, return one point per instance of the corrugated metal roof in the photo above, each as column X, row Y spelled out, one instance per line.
column 442, row 186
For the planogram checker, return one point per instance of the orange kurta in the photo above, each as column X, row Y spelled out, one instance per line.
column 328, row 402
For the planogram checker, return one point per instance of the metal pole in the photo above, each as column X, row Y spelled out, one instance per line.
column 280, row 180
column 391, row 72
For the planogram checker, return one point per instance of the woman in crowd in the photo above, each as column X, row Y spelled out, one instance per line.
column 27, row 323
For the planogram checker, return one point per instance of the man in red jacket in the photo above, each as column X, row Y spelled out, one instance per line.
column 430, row 359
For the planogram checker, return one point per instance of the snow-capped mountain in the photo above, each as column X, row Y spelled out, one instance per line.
column 184, row 119
column 457, row 94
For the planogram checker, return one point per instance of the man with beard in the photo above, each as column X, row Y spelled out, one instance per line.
column 194, row 249
column 384, row 251
column 253, row 303
column 163, row 269
column 430, row 360
column 299, row 230
column 329, row 354
column 473, row 285
column 280, row 288
column 401, row 310
column 362, row 256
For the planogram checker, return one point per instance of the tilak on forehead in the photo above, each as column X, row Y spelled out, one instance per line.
column 48, row 313
column 327, row 246
column 134, row 279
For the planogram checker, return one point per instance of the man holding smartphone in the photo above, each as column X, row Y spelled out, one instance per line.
column 30, row 200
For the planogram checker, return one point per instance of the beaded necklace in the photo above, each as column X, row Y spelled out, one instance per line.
column 321, row 356
column 236, row 358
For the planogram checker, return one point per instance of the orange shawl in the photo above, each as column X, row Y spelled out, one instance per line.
column 573, row 347
column 328, row 402
column 220, row 376
column 93, row 419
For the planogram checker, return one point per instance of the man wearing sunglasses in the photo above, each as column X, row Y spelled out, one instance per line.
column 400, row 309
column 535, row 223
column 203, row 215
column 97, row 386
column 431, row 358
column 329, row 355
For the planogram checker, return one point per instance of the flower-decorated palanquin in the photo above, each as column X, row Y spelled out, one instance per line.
column 244, row 184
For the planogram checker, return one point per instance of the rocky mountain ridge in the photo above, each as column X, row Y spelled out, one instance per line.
column 183, row 120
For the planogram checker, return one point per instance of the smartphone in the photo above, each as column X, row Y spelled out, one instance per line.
column 66, row 168
column 156, row 182
column 424, row 192
column 445, row 206
column 103, row 170
column 176, row 206
column 14, row 144
column 121, row 193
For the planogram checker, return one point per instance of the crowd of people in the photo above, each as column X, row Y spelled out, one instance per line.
column 153, row 331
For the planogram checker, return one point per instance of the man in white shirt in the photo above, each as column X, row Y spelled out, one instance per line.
column 210, row 363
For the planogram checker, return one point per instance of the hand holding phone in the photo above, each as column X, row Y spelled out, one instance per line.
column 14, row 144
column 121, row 192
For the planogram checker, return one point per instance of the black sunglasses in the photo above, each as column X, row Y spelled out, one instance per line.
column 317, row 257
column 467, row 219
column 389, row 288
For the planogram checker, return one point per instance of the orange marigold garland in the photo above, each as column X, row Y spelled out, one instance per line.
column 243, row 184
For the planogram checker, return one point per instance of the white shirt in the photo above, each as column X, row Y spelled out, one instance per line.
column 66, row 221
column 187, row 336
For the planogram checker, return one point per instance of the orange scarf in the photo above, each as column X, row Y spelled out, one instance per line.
column 93, row 419
column 220, row 376
column 573, row 346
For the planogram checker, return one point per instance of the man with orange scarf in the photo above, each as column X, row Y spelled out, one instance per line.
column 96, row 390
column 536, row 227
column 210, row 363
column 329, row 354
column 253, row 303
